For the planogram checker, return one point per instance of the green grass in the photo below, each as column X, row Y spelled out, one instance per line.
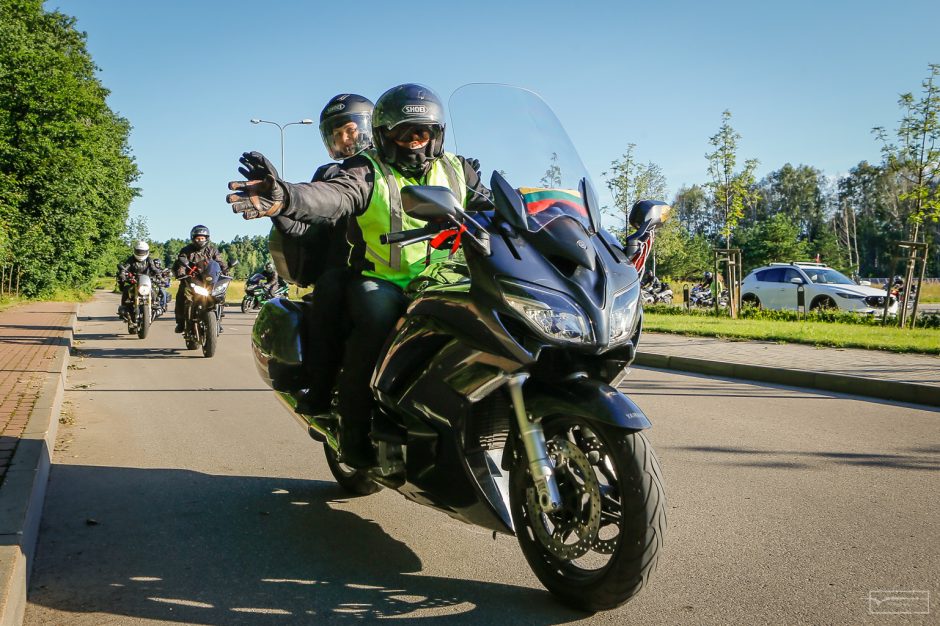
column 919, row 340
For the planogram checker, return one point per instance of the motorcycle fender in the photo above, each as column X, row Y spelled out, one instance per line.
column 590, row 399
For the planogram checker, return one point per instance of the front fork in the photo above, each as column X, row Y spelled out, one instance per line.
column 536, row 451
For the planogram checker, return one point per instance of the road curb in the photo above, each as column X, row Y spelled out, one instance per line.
column 897, row 391
column 24, row 488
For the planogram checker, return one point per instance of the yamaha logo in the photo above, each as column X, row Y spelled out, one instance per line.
column 411, row 109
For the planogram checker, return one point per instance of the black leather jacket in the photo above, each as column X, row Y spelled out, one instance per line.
column 193, row 254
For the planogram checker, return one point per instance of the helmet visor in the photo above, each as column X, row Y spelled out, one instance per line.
column 346, row 135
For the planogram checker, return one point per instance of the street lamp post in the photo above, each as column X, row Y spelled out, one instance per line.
column 281, row 127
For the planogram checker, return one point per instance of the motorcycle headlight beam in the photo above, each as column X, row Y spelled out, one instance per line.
column 199, row 289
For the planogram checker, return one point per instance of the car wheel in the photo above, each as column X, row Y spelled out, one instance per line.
column 824, row 303
column 749, row 299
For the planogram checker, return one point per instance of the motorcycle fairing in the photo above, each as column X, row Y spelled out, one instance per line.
column 591, row 399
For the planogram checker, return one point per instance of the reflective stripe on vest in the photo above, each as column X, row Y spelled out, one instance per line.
column 397, row 263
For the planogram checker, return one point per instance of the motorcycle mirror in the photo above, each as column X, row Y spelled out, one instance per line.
column 429, row 203
column 651, row 213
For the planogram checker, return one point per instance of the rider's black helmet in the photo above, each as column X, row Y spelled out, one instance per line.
column 341, row 110
column 197, row 230
column 400, row 110
column 708, row 275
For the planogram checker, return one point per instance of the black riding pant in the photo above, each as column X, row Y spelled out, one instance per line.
column 374, row 307
column 327, row 328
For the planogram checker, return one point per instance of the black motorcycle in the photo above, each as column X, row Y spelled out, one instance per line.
column 256, row 294
column 497, row 394
column 205, row 302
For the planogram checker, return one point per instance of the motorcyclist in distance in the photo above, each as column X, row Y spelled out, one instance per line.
column 271, row 281
column 408, row 131
column 162, row 284
column 198, row 250
column 138, row 263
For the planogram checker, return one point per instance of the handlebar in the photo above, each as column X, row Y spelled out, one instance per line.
column 407, row 236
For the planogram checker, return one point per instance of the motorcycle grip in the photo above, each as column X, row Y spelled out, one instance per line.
column 404, row 235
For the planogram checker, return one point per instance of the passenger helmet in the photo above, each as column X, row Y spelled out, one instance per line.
column 341, row 140
column 197, row 230
column 141, row 250
column 398, row 112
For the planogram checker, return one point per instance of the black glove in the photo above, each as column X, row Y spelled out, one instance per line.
column 475, row 165
column 262, row 195
column 256, row 166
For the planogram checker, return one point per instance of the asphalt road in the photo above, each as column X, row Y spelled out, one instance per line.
column 182, row 492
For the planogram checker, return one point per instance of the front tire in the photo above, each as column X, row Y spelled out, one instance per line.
column 824, row 303
column 212, row 334
column 146, row 316
column 246, row 304
column 352, row 480
column 600, row 548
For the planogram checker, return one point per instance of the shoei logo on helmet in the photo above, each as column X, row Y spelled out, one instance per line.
column 411, row 109
column 339, row 106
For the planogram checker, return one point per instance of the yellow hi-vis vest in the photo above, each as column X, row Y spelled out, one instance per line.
column 396, row 263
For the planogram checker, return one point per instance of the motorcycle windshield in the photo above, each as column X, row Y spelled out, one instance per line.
column 513, row 131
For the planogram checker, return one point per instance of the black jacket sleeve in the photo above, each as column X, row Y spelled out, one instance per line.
column 289, row 227
column 347, row 193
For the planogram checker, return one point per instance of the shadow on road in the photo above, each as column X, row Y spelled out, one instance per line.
column 190, row 547
column 919, row 458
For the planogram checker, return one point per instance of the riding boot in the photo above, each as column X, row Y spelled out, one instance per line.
column 355, row 446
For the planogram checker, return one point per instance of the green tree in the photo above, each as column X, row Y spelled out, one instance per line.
column 136, row 230
column 916, row 156
column 732, row 191
column 691, row 210
column 66, row 172
column 774, row 239
column 681, row 255
column 552, row 177
column 629, row 182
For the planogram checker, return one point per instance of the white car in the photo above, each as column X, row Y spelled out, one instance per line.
column 777, row 286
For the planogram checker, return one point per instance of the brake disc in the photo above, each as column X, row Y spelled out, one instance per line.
column 576, row 517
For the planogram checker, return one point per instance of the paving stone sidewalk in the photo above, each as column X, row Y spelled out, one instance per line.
column 29, row 337
column 913, row 378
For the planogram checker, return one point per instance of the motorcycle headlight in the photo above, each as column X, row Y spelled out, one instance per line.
column 623, row 314
column 547, row 312
column 219, row 289
column 199, row 289
column 143, row 290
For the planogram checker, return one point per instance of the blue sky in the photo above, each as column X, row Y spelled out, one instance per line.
column 805, row 81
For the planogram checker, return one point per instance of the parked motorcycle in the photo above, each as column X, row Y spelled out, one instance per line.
column 256, row 294
column 657, row 292
column 203, row 309
column 140, row 314
column 497, row 394
column 704, row 297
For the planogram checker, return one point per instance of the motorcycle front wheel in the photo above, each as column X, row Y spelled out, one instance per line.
column 246, row 304
column 601, row 546
column 146, row 314
column 352, row 480
column 212, row 334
